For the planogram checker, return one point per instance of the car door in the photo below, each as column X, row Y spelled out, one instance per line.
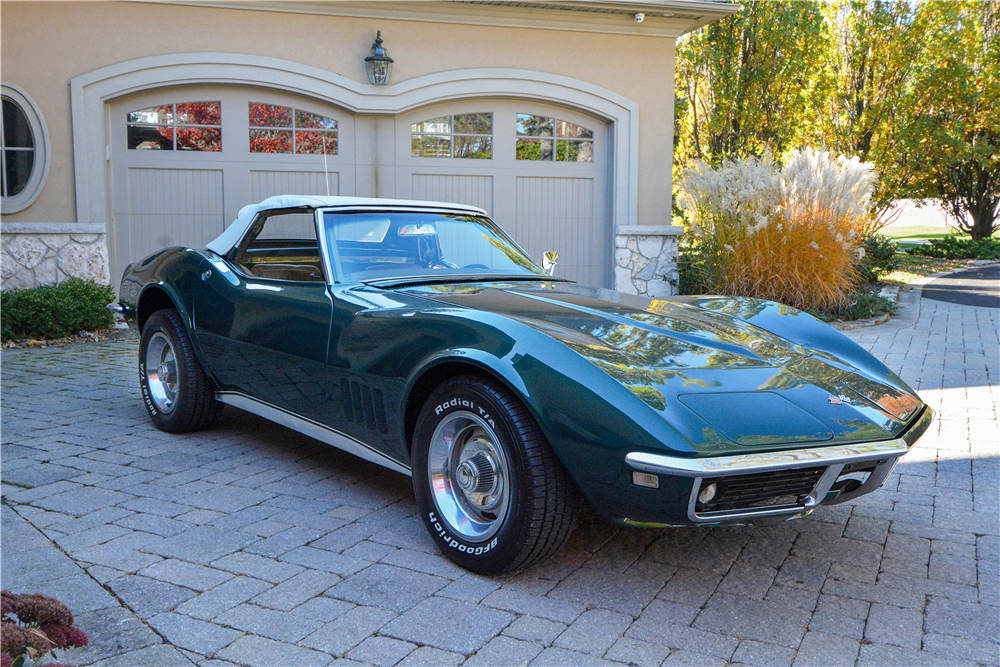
column 263, row 317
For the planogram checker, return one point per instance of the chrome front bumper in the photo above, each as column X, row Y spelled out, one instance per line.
column 834, row 458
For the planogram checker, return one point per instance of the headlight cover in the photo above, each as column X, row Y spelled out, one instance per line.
column 891, row 401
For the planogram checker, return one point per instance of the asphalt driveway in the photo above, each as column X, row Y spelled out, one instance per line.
column 252, row 545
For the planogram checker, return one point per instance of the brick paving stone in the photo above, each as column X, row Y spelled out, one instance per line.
column 349, row 630
column 114, row 556
column 201, row 544
column 753, row 619
column 261, row 652
column 627, row 593
column 267, row 623
column 504, row 651
column 538, row 630
column 822, row 650
column 683, row 638
column 186, row 574
column 323, row 609
column 750, row 652
column 560, row 657
column 285, row 541
column 257, row 567
column 748, row 580
column 148, row 597
column 891, row 625
column 88, row 538
column 381, row 651
column 692, row 587
column 534, row 605
column 211, row 603
column 450, row 625
column 876, row 655
column 840, row 616
column 983, row 652
column 694, row 659
column 962, row 619
column 192, row 634
column 80, row 501
column 388, row 587
column 426, row 656
column 292, row 592
column 318, row 559
column 111, row 632
column 161, row 655
column 634, row 652
column 594, row 632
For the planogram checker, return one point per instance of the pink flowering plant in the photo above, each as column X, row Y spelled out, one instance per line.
column 33, row 627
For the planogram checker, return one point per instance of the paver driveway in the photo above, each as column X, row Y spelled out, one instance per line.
column 253, row 545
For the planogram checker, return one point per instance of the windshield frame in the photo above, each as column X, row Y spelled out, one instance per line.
column 336, row 274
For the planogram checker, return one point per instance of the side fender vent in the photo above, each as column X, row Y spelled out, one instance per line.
column 364, row 406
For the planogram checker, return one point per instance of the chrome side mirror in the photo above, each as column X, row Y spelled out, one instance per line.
column 549, row 261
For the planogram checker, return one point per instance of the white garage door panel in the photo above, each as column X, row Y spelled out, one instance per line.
column 459, row 189
column 558, row 214
column 169, row 207
column 264, row 184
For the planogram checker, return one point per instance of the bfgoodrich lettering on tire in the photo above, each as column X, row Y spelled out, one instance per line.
column 177, row 394
column 490, row 489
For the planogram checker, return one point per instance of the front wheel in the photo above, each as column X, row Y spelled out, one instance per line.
column 491, row 491
column 177, row 394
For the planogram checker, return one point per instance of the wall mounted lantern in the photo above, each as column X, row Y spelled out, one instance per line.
column 378, row 63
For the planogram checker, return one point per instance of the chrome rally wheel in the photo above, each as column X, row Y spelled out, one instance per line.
column 491, row 491
column 161, row 372
column 468, row 474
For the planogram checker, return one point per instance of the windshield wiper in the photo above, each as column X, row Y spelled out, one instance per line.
column 407, row 281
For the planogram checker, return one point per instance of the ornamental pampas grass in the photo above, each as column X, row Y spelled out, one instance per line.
column 788, row 235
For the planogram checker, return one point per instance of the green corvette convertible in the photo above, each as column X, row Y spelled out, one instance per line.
column 419, row 336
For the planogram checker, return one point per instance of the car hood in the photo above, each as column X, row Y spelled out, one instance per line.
column 717, row 379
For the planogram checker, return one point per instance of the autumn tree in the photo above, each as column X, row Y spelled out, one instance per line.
column 876, row 48
column 952, row 138
column 752, row 82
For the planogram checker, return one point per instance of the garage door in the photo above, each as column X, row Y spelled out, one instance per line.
column 541, row 171
column 186, row 160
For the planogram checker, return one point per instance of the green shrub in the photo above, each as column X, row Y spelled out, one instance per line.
column 879, row 259
column 55, row 311
column 692, row 270
column 953, row 247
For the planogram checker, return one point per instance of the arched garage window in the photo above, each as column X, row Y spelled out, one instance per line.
column 185, row 126
column 24, row 147
column 535, row 140
column 468, row 135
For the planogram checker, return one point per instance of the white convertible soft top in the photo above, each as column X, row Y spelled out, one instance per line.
column 234, row 232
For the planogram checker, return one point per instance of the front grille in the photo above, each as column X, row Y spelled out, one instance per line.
column 768, row 490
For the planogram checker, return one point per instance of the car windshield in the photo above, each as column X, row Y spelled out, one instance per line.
column 369, row 245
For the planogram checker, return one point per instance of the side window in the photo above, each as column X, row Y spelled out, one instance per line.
column 281, row 245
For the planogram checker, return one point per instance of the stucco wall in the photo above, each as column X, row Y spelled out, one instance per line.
column 44, row 45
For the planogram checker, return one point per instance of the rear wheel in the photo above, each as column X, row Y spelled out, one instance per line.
column 177, row 394
column 491, row 491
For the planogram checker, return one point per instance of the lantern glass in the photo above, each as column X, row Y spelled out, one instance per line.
column 378, row 63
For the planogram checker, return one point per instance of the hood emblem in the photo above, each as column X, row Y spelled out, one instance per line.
column 838, row 400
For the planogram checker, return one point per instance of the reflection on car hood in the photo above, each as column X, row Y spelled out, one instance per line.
column 717, row 379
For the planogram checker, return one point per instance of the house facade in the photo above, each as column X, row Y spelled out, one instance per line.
column 131, row 126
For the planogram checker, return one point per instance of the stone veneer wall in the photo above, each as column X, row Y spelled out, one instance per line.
column 644, row 255
column 36, row 253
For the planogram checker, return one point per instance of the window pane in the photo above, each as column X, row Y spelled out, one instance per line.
column 474, row 123
column 434, row 126
column 17, row 170
column 270, row 141
column 313, row 142
column 199, row 113
column 534, row 149
column 480, row 148
column 16, row 131
column 534, row 126
column 162, row 115
column 269, row 115
column 150, row 137
column 306, row 119
column 430, row 145
column 564, row 129
column 575, row 151
column 199, row 139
